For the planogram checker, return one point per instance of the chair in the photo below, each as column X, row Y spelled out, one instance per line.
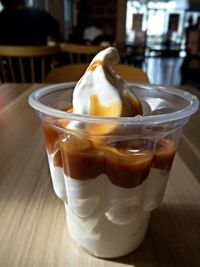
column 79, row 53
column 74, row 72
column 130, row 73
column 26, row 64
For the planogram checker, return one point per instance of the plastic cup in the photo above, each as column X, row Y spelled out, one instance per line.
column 111, row 172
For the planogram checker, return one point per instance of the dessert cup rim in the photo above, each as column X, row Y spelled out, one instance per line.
column 191, row 108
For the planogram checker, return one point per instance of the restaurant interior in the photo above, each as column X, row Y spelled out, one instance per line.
column 134, row 175
column 150, row 35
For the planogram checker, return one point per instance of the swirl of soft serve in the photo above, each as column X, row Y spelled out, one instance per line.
column 101, row 92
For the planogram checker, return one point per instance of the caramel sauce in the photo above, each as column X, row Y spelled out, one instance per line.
column 95, row 64
column 135, row 105
column 82, row 159
column 102, row 63
column 164, row 154
column 122, row 166
column 96, row 109
column 86, row 159
column 81, row 163
column 57, row 160
column 51, row 142
column 70, row 110
column 51, row 137
column 115, row 109
column 132, row 107
column 127, row 169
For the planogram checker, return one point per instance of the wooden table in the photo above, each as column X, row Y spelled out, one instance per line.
column 33, row 231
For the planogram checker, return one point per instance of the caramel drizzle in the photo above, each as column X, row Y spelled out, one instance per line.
column 95, row 64
column 97, row 109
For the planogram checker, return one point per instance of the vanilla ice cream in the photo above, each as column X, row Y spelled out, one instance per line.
column 101, row 92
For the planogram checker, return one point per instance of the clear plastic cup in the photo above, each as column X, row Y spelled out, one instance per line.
column 112, row 178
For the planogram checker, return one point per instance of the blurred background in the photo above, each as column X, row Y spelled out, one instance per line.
column 160, row 36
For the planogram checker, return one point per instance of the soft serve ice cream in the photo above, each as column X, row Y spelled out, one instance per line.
column 100, row 92
column 111, row 180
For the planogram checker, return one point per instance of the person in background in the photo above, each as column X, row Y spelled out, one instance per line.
column 21, row 25
column 95, row 34
column 91, row 32
column 188, row 30
column 191, row 63
column 196, row 32
column 193, row 36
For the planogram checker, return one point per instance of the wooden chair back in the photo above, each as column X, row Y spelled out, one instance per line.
column 23, row 64
column 74, row 72
column 130, row 73
column 79, row 53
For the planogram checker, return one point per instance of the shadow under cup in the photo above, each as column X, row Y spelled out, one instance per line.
column 111, row 172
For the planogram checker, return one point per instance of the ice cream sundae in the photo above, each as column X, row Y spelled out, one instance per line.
column 109, row 158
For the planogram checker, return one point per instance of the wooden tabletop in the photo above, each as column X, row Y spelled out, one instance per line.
column 33, row 231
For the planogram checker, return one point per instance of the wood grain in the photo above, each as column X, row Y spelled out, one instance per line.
column 189, row 147
column 33, row 230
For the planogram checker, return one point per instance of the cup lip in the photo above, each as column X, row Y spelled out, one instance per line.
column 193, row 105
